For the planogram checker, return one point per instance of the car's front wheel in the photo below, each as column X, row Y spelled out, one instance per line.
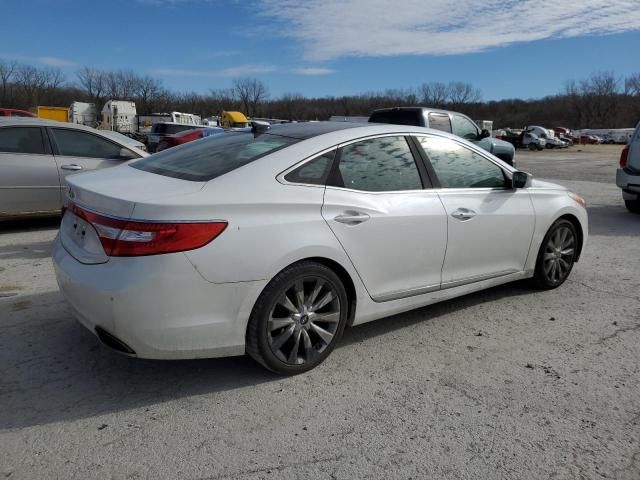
column 297, row 319
column 632, row 205
column 557, row 254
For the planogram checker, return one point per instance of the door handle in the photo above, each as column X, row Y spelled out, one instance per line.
column 72, row 166
column 463, row 214
column 352, row 218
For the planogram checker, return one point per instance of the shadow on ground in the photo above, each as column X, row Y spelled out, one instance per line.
column 52, row 369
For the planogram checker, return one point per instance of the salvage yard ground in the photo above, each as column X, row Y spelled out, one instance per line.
column 505, row 383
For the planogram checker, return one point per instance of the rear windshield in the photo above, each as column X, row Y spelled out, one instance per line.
column 398, row 117
column 213, row 156
column 170, row 128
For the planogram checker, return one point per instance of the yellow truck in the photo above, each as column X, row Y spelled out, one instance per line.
column 233, row 120
column 60, row 114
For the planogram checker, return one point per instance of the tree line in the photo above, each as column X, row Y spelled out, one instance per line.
column 602, row 100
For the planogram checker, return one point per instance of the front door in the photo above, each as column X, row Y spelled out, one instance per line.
column 393, row 229
column 490, row 225
column 80, row 151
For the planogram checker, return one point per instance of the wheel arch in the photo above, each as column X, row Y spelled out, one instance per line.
column 578, row 226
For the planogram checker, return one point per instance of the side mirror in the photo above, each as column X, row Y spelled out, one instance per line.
column 484, row 134
column 520, row 179
column 126, row 154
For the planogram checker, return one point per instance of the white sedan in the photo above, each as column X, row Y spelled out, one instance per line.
column 272, row 242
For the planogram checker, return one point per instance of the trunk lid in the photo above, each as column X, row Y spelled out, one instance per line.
column 113, row 192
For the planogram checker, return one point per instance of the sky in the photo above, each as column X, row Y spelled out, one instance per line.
column 506, row 48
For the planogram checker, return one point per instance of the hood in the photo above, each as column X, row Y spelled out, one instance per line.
column 535, row 183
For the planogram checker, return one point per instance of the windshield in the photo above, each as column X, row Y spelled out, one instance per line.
column 213, row 156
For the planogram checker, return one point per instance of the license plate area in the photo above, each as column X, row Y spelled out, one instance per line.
column 81, row 240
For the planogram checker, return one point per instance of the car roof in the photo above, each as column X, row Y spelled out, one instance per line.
column 415, row 108
column 305, row 130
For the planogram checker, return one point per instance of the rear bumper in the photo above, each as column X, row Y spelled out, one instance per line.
column 159, row 306
column 629, row 182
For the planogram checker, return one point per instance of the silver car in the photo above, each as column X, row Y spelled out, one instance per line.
column 36, row 156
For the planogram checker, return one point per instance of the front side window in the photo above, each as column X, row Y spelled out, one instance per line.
column 21, row 140
column 74, row 143
column 314, row 172
column 440, row 121
column 457, row 166
column 213, row 156
column 378, row 165
column 465, row 128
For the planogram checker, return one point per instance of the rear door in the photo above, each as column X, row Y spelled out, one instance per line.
column 379, row 204
column 78, row 150
column 29, row 181
column 490, row 225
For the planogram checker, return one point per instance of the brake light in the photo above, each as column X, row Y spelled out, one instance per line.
column 126, row 238
column 624, row 156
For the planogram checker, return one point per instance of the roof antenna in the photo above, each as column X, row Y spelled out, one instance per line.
column 259, row 127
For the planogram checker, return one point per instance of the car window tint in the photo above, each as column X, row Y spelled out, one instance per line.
column 74, row 143
column 378, row 165
column 397, row 117
column 457, row 166
column 465, row 128
column 21, row 140
column 314, row 172
column 440, row 121
column 213, row 156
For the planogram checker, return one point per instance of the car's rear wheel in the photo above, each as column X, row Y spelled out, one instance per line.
column 557, row 254
column 297, row 319
column 632, row 205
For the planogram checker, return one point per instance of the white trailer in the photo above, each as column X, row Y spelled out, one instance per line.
column 83, row 114
column 119, row 116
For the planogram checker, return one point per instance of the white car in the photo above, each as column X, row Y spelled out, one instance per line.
column 628, row 174
column 273, row 242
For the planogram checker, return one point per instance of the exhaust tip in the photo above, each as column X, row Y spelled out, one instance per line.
column 113, row 342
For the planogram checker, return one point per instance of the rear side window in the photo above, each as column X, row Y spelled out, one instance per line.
column 456, row 166
column 397, row 117
column 21, row 140
column 378, row 165
column 314, row 172
column 440, row 121
column 213, row 156
column 74, row 143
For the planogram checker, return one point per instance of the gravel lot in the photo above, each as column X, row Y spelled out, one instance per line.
column 507, row 383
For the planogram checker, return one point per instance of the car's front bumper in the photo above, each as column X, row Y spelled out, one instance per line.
column 159, row 306
column 629, row 181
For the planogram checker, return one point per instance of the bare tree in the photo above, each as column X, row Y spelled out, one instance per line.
column 251, row 92
column 434, row 94
column 7, row 70
column 93, row 82
column 632, row 85
column 462, row 93
column 31, row 80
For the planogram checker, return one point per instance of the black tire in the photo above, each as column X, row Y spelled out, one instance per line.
column 546, row 277
column 632, row 205
column 532, row 146
column 271, row 309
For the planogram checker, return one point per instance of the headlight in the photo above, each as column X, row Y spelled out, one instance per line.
column 578, row 199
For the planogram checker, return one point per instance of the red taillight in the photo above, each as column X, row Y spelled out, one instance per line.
column 126, row 238
column 624, row 155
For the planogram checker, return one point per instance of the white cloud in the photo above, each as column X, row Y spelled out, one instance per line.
column 313, row 71
column 329, row 29
column 237, row 71
column 48, row 61
column 56, row 62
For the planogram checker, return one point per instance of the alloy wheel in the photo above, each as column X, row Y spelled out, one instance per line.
column 559, row 254
column 304, row 320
